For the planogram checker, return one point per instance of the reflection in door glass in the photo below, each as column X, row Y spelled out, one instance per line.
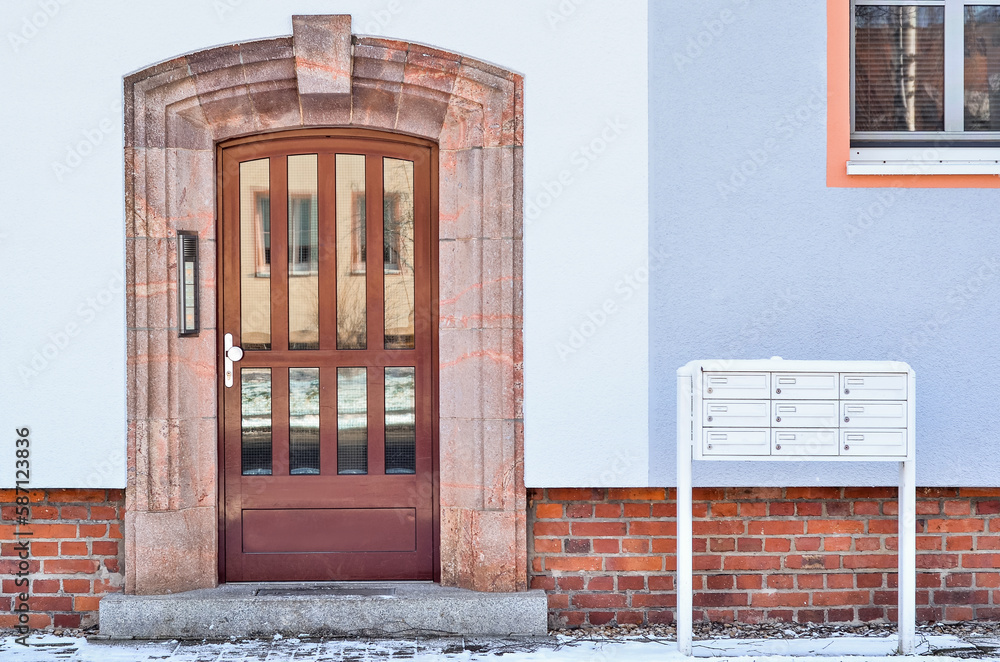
column 303, row 253
column 352, row 253
column 255, row 254
column 352, row 421
column 397, row 252
column 303, row 421
column 400, row 421
column 255, row 408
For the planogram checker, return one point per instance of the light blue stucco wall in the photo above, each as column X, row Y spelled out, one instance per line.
column 772, row 262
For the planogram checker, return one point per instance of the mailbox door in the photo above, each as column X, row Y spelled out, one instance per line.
column 735, row 413
column 743, row 385
column 804, row 414
column 873, row 414
column 804, row 386
column 736, row 442
column 887, row 443
column 804, row 442
column 860, row 386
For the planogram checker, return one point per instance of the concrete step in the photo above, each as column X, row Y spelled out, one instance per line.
column 356, row 609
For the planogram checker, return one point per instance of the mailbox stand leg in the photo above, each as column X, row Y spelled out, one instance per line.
column 685, row 599
column 907, row 616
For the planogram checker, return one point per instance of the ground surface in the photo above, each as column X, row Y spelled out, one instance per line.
column 738, row 642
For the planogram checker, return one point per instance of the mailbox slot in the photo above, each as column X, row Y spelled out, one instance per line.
column 804, row 386
column 736, row 442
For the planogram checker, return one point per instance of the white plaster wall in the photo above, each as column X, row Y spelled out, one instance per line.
column 62, row 322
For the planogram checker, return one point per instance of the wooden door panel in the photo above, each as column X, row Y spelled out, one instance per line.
column 322, row 519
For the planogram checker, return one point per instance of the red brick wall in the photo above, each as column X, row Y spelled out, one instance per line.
column 606, row 556
column 76, row 555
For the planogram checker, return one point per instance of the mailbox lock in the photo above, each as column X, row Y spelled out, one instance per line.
column 778, row 419
column 847, row 447
column 710, row 447
column 777, row 390
column 777, row 447
column 709, row 419
column 847, row 419
column 709, row 389
column 847, row 391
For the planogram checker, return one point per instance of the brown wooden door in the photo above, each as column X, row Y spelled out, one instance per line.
column 327, row 284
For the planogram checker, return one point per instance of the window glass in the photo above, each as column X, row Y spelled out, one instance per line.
column 982, row 68
column 899, row 68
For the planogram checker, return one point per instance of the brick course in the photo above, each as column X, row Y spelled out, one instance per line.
column 808, row 554
column 76, row 555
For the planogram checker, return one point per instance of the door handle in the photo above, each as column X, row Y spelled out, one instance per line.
column 231, row 354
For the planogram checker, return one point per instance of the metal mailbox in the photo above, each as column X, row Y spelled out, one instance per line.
column 794, row 410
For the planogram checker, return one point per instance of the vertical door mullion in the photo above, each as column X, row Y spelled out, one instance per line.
column 328, row 419
column 376, row 420
column 423, row 317
column 279, row 421
column 327, row 252
column 954, row 65
column 374, row 267
column 279, row 253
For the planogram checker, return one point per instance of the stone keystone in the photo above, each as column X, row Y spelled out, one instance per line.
column 322, row 47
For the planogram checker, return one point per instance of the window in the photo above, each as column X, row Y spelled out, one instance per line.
column 302, row 235
column 925, row 86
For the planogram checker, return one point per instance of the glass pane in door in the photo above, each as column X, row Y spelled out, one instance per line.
column 397, row 252
column 400, row 421
column 255, row 254
column 303, row 252
column 255, row 409
column 303, row 421
column 352, row 253
column 352, row 421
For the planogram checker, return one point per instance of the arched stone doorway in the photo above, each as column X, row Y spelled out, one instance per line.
column 176, row 112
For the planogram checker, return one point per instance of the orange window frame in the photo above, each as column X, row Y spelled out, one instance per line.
column 838, row 119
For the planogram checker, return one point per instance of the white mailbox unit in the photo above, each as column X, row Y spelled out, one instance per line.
column 777, row 410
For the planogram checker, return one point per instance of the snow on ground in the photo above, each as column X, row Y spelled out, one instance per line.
column 51, row 648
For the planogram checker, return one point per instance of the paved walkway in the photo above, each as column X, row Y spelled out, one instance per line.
column 49, row 648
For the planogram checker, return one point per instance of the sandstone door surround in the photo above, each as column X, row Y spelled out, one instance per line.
column 323, row 76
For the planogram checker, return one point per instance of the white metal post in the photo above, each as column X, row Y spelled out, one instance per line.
column 907, row 556
column 685, row 598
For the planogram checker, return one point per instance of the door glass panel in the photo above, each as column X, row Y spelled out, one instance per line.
column 352, row 421
column 397, row 252
column 982, row 68
column 400, row 421
column 898, row 68
column 303, row 421
column 255, row 408
column 303, row 252
column 352, row 253
column 255, row 254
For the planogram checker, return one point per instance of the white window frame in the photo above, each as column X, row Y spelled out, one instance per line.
column 953, row 151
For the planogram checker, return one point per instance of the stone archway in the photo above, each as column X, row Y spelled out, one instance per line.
column 175, row 114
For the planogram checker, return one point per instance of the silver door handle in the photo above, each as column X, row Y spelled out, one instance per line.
column 231, row 354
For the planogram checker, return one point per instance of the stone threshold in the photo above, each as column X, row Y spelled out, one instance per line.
column 323, row 609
